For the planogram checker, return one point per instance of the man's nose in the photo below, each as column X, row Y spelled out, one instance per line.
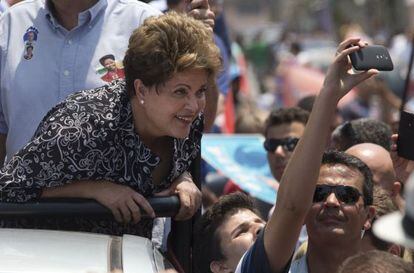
column 280, row 151
column 331, row 200
column 256, row 230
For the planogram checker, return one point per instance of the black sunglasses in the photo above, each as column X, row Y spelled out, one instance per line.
column 288, row 143
column 345, row 194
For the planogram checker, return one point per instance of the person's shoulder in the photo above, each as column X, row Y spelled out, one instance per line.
column 18, row 16
column 25, row 8
column 133, row 7
column 113, row 91
column 255, row 259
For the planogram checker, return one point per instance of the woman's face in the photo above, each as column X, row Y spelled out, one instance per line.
column 178, row 102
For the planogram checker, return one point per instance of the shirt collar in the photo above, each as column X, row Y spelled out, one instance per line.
column 93, row 12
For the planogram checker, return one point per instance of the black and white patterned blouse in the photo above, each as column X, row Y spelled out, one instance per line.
column 90, row 136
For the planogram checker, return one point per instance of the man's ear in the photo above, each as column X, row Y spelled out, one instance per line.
column 396, row 189
column 370, row 216
column 139, row 89
column 219, row 267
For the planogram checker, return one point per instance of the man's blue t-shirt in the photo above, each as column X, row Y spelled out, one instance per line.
column 255, row 259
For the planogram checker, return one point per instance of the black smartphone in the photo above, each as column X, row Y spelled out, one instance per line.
column 405, row 142
column 372, row 56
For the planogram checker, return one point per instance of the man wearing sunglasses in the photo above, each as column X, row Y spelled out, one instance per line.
column 341, row 211
column 283, row 128
column 235, row 239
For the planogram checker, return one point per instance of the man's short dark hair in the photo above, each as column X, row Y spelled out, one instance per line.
column 375, row 261
column 383, row 205
column 363, row 130
column 342, row 158
column 173, row 2
column 207, row 242
column 109, row 56
column 286, row 115
column 306, row 103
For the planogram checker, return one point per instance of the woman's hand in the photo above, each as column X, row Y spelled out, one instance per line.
column 340, row 78
column 124, row 202
column 200, row 10
column 188, row 193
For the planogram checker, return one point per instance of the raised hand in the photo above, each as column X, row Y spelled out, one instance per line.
column 340, row 78
column 200, row 10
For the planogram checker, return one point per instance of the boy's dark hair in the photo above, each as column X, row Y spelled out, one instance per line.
column 337, row 157
column 207, row 242
column 286, row 115
column 103, row 59
column 363, row 130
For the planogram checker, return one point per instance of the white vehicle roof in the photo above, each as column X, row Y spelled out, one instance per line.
column 25, row 250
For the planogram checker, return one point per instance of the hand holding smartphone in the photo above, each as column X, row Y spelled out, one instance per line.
column 372, row 57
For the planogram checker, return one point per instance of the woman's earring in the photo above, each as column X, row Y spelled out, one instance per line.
column 142, row 102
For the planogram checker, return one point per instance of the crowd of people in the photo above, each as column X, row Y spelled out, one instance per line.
column 108, row 100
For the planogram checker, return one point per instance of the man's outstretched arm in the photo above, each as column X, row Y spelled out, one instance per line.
column 299, row 179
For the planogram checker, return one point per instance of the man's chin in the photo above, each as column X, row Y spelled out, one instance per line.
column 278, row 172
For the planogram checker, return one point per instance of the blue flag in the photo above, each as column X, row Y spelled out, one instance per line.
column 241, row 158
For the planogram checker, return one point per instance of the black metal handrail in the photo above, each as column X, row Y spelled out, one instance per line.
column 72, row 207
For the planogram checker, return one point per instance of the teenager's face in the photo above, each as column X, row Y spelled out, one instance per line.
column 279, row 158
column 237, row 235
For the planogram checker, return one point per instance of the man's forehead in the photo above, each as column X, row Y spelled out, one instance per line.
column 238, row 218
column 243, row 214
column 339, row 174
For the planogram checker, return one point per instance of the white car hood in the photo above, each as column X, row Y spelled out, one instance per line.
column 73, row 252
